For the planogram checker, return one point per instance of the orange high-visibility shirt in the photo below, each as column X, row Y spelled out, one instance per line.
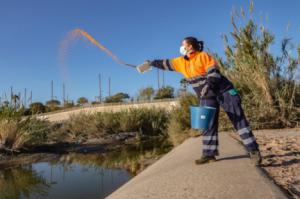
column 197, row 64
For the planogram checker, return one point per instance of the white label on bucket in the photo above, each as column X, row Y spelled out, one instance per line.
column 202, row 117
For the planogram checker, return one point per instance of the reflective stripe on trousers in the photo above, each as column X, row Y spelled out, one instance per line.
column 232, row 106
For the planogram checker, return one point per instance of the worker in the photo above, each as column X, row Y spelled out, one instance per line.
column 213, row 89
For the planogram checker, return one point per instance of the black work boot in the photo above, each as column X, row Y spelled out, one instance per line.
column 255, row 157
column 205, row 159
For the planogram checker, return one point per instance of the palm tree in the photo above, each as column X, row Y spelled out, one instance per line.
column 15, row 99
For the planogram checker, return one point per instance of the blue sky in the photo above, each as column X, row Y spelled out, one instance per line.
column 135, row 30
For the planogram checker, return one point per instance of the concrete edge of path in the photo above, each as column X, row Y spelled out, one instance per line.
column 176, row 176
column 278, row 190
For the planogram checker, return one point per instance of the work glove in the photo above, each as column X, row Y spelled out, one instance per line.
column 204, row 90
column 144, row 67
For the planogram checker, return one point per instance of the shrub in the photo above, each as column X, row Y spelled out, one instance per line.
column 82, row 101
column 16, row 134
column 165, row 92
column 37, row 107
column 119, row 97
column 80, row 127
column 148, row 122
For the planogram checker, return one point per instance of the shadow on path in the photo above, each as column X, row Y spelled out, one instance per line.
column 233, row 157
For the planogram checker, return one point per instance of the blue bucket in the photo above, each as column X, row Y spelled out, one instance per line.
column 202, row 117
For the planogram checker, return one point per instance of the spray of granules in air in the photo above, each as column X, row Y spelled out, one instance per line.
column 79, row 33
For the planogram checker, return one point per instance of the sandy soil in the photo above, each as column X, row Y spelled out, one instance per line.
column 281, row 157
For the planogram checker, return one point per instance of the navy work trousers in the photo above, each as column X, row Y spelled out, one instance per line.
column 232, row 106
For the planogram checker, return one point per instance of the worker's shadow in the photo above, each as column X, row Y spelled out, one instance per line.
column 233, row 157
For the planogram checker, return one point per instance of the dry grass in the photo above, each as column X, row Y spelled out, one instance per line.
column 16, row 133
column 9, row 134
column 81, row 127
column 267, row 82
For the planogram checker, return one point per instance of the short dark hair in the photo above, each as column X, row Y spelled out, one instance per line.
column 197, row 45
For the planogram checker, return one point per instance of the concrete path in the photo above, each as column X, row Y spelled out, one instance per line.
column 175, row 176
column 62, row 115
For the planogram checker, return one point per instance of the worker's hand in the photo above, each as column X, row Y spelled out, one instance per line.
column 144, row 66
column 204, row 90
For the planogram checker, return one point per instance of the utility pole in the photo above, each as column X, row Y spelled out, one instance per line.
column 158, row 85
column 25, row 96
column 51, row 89
column 163, row 78
column 64, row 93
column 109, row 86
column 20, row 100
column 11, row 94
column 100, row 91
column 30, row 97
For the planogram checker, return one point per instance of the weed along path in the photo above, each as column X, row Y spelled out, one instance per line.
column 176, row 176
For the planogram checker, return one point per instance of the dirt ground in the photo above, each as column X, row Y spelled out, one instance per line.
column 280, row 150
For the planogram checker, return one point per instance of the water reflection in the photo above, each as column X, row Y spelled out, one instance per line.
column 22, row 182
column 45, row 180
column 79, row 175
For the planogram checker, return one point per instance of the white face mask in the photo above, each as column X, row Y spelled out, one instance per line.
column 182, row 50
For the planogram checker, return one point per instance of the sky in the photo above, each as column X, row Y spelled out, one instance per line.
column 134, row 30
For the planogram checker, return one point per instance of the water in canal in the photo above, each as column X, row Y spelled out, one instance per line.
column 76, row 175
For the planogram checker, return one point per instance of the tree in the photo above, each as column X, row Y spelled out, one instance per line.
column 146, row 93
column 82, row 100
column 37, row 107
column 95, row 103
column 52, row 105
column 68, row 104
column 119, row 97
column 165, row 92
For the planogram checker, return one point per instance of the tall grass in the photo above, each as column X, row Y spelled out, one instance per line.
column 147, row 122
column 267, row 82
column 16, row 133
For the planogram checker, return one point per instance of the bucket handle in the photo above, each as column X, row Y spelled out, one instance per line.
column 204, row 100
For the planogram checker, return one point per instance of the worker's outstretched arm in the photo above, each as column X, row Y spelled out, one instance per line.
column 168, row 64
column 175, row 64
column 164, row 64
